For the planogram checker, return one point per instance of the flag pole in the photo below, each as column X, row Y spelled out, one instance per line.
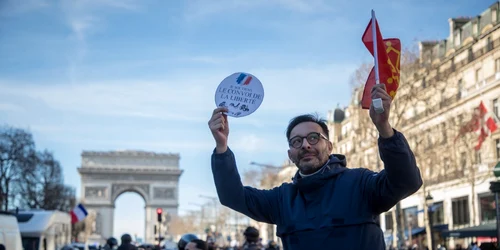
column 377, row 103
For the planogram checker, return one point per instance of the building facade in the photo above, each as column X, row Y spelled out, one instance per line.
column 435, row 99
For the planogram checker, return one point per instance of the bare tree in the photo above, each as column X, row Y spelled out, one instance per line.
column 184, row 224
column 417, row 97
column 29, row 178
column 426, row 159
column 270, row 178
column 442, row 159
column 358, row 78
column 470, row 157
column 17, row 156
column 252, row 178
column 44, row 187
column 366, row 135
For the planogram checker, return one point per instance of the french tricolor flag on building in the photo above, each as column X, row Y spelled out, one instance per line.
column 78, row 213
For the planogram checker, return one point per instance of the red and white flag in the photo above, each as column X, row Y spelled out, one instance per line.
column 487, row 125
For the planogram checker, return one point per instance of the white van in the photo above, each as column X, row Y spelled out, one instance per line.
column 9, row 232
column 44, row 230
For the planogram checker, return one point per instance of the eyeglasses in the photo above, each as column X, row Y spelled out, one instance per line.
column 312, row 138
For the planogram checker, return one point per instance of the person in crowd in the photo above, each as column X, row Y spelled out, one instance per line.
column 126, row 243
column 111, row 242
column 251, row 239
column 184, row 241
column 197, row 244
column 272, row 245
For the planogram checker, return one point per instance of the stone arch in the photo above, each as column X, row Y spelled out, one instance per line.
column 140, row 189
column 107, row 175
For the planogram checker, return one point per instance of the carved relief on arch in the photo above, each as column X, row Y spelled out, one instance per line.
column 164, row 193
column 97, row 192
column 141, row 189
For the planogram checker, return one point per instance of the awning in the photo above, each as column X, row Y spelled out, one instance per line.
column 419, row 230
column 486, row 230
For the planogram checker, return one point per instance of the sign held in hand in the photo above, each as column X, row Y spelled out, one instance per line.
column 241, row 93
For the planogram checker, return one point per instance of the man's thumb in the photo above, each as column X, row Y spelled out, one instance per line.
column 225, row 118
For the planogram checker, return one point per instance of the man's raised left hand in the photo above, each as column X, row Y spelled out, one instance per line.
column 381, row 120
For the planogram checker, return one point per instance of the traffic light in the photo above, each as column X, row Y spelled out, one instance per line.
column 159, row 212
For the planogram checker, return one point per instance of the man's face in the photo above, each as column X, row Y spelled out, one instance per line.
column 310, row 155
column 191, row 246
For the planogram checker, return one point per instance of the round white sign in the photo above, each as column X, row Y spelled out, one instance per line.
column 240, row 93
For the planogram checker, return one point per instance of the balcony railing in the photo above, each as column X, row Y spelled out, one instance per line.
column 473, row 90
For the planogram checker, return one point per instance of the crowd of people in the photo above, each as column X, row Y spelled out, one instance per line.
column 252, row 241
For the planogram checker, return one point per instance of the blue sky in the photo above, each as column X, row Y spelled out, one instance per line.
column 131, row 74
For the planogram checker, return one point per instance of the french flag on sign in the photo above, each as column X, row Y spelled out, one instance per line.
column 243, row 79
column 78, row 213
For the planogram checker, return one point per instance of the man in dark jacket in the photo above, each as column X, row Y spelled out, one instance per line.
column 251, row 239
column 126, row 243
column 328, row 206
column 111, row 242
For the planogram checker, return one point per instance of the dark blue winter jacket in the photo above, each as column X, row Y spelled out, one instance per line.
column 333, row 209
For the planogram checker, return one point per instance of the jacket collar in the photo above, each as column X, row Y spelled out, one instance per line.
column 335, row 165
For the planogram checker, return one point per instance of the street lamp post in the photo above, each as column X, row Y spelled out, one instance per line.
column 202, row 216
column 495, row 188
column 429, row 200
column 214, row 200
column 410, row 220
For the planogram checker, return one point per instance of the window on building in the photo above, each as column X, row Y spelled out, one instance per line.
column 497, row 143
column 429, row 170
column 487, row 208
column 460, row 211
column 411, row 216
column 444, row 135
column 429, row 140
column 470, row 55
column 438, row 213
column 463, row 161
column 478, row 158
column 388, row 220
column 461, row 89
column 424, row 83
column 479, row 75
column 447, row 164
column 489, row 44
column 457, row 38
column 496, row 107
column 460, row 119
column 497, row 65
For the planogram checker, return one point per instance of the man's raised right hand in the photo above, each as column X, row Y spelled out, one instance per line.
column 219, row 126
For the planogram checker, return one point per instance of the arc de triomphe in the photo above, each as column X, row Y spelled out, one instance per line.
column 107, row 175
